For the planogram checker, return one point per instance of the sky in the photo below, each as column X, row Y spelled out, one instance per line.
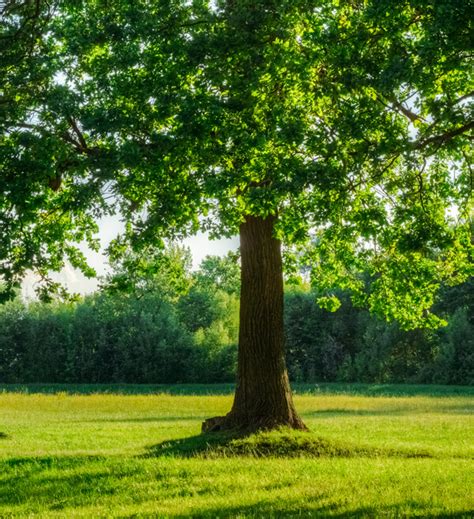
column 109, row 227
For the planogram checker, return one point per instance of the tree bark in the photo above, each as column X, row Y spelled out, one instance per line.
column 263, row 397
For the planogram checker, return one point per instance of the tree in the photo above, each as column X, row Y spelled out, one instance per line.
column 165, row 270
column 339, row 128
column 220, row 272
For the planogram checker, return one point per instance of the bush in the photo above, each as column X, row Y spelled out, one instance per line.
column 149, row 337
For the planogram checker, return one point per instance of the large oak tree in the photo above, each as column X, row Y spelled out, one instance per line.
column 340, row 129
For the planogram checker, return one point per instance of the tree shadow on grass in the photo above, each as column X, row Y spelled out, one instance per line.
column 69, row 484
column 190, row 447
column 442, row 408
column 281, row 444
column 275, row 510
column 52, row 481
column 318, row 506
column 46, row 462
column 147, row 419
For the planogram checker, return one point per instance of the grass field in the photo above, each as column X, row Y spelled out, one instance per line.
column 373, row 451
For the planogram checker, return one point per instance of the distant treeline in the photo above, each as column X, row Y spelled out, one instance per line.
column 188, row 333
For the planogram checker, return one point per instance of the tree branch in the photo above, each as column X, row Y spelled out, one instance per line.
column 444, row 137
column 80, row 136
column 406, row 112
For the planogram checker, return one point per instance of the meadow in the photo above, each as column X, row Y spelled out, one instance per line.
column 137, row 451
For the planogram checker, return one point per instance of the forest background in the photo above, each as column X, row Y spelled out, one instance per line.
column 157, row 321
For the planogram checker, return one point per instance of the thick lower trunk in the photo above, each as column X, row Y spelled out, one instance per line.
column 263, row 397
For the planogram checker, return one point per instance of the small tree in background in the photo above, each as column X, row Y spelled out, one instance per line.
column 164, row 270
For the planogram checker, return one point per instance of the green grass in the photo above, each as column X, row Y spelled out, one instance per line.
column 66, row 454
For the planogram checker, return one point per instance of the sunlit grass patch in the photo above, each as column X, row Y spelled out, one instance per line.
column 142, row 455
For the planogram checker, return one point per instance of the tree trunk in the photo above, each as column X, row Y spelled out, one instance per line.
column 263, row 397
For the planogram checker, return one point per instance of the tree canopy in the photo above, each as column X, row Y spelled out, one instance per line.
column 351, row 121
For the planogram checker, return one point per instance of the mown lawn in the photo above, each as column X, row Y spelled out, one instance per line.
column 408, row 453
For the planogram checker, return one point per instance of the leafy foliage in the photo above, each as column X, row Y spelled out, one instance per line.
column 160, row 336
column 154, row 269
column 351, row 345
column 161, row 326
column 351, row 121
column 220, row 272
